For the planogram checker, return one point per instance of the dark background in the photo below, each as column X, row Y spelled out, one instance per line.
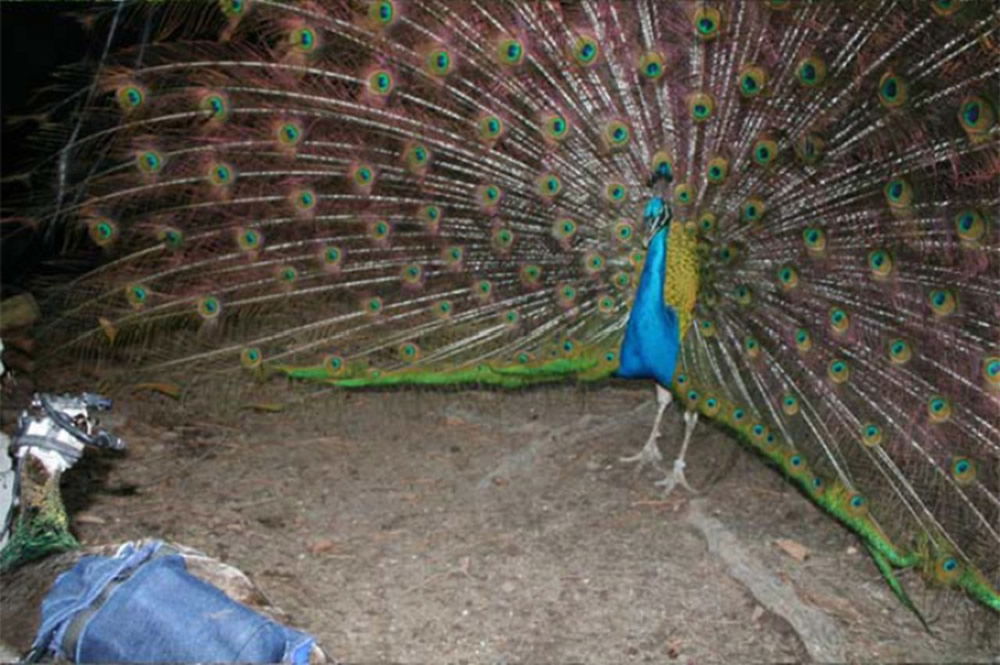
column 37, row 41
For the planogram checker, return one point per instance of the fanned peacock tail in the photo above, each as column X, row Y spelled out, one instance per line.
column 449, row 192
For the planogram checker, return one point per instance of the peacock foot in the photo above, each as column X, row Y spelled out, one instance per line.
column 649, row 455
column 675, row 478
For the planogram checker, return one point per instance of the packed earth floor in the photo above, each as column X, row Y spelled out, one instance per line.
column 481, row 526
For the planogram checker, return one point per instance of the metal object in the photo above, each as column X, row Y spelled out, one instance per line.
column 54, row 430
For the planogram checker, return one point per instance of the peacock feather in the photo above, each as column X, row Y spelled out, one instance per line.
column 42, row 526
column 439, row 192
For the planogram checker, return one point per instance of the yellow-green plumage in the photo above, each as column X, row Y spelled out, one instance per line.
column 680, row 290
column 41, row 526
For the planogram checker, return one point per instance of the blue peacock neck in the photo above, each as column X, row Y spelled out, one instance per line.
column 652, row 334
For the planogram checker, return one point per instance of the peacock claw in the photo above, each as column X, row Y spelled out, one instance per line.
column 675, row 478
column 649, row 455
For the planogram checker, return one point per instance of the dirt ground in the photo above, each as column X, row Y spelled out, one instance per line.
column 478, row 526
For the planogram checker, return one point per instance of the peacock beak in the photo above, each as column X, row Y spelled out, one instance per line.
column 656, row 216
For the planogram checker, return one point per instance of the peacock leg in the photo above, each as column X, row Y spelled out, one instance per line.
column 650, row 453
column 677, row 476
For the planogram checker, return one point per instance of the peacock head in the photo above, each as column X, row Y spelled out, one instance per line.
column 656, row 216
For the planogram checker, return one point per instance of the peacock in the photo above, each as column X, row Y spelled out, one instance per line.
column 781, row 213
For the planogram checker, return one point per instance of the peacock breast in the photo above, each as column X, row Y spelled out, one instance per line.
column 680, row 288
